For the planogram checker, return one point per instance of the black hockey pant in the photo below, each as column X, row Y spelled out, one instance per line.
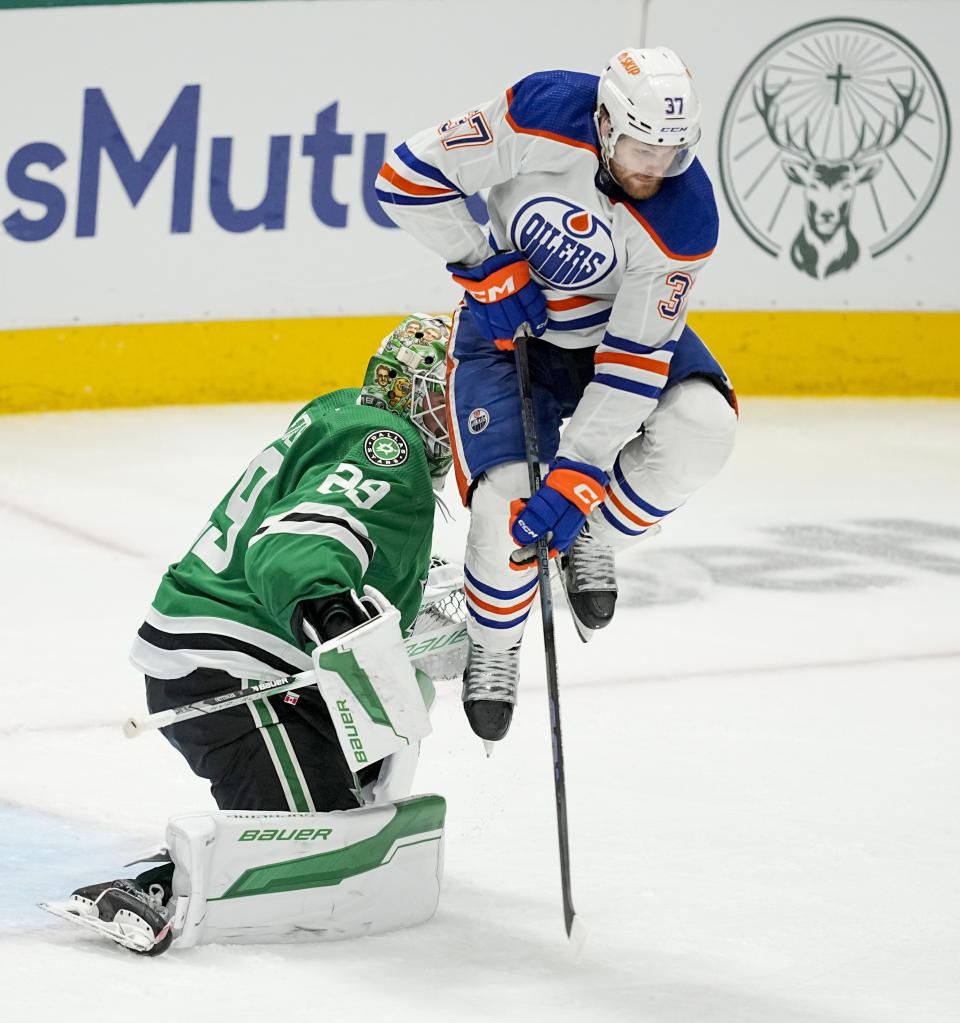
column 276, row 753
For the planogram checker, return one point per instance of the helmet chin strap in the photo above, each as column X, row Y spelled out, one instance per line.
column 607, row 142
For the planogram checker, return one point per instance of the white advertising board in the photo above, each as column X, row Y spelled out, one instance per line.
column 827, row 137
column 215, row 161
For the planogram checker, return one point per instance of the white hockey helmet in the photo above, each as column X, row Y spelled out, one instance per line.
column 648, row 95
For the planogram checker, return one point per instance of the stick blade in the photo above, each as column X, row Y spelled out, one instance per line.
column 577, row 933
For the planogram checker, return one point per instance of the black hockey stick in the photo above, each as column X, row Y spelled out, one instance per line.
column 549, row 644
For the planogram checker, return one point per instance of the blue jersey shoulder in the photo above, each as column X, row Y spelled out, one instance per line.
column 683, row 214
column 556, row 103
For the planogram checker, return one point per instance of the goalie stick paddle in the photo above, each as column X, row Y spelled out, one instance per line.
column 574, row 928
column 421, row 645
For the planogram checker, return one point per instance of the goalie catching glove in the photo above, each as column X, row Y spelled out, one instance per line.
column 558, row 510
column 502, row 297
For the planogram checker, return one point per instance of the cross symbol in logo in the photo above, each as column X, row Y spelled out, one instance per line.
column 838, row 78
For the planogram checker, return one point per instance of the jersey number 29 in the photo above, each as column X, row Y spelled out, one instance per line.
column 239, row 505
column 348, row 480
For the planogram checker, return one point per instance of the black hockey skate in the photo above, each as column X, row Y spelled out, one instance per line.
column 590, row 584
column 123, row 911
column 490, row 690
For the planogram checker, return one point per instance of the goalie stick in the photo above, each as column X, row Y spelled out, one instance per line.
column 420, row 646
column 573, row 926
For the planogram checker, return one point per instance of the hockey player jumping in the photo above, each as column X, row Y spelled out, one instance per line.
column 601, row 218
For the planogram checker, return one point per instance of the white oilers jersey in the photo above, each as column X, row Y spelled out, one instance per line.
column 616, row 272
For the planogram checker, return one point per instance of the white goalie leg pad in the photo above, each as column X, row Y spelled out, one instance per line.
column 246, row 877
column 371, row 690
column 395, row 779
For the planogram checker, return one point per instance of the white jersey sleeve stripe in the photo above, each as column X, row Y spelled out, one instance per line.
column 171, row 647
column 312, row 519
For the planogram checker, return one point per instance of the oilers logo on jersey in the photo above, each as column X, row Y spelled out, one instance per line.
column 478, row 420
column 569, row 247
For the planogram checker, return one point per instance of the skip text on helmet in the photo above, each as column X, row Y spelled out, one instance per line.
column 629, row 64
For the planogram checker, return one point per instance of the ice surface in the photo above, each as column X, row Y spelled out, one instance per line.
column 763, row 769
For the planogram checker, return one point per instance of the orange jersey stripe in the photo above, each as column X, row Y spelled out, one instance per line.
column 658, row 241
column 544, row 134
column 562, row 304
column 635, row 362
column 387, row 172
column 463, row 484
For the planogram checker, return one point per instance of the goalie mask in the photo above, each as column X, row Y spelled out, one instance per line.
column 654, row 113
column 407, row 375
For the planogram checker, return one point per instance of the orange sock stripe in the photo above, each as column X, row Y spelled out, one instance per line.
column 619, row 505
column 493, row 609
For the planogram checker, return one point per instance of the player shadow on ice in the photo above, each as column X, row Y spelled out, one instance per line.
column 804, row 558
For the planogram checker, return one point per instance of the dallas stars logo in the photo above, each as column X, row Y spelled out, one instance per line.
column 385, row 447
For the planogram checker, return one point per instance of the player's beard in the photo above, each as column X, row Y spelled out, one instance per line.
column 637, row 186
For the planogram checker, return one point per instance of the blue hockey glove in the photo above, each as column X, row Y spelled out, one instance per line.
column 569, row 492
column 502, row 297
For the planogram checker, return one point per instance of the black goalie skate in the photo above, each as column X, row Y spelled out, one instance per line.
column 123, row 911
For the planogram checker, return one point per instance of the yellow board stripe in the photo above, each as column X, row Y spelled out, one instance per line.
column 764, row 353
column 184, row 363
column 875, row 354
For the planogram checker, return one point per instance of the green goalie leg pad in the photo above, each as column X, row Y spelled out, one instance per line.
column 283, row 877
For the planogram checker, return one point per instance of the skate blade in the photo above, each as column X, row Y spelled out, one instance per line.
column 556, row 576
column 583, row 632
column 128, row 936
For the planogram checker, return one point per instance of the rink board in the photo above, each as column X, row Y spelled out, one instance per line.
column 800, row 353
column 209, row 233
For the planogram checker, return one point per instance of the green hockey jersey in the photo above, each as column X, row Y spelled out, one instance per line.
column 342, row 499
